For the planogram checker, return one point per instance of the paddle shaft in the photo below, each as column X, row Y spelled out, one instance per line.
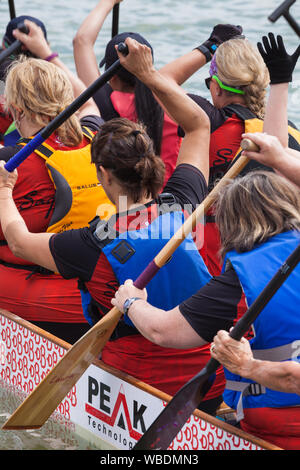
column 115, row 20
column 19, row 157
column 12, row 10
column 15, row 46
column 283, row 10
column 170, row 421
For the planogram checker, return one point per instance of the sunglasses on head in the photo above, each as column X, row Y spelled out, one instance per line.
column 221, row 85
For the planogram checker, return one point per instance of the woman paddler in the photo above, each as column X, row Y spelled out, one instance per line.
column 50, row 195
column 102, row 255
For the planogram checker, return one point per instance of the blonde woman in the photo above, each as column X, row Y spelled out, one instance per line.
column 237, row 80
column 49, row 194
column 258, row 216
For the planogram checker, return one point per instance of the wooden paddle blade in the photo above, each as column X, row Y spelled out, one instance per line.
column 45, row 398
column 174, row 416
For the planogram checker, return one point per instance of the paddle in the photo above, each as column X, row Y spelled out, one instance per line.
column 115, row 20
column 15, row 46
column 45, row 398
column 12, row 10
column 283, row 10
column 168, row 424
column 39, row 138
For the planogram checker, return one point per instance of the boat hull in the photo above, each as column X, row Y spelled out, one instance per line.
column 105, row 403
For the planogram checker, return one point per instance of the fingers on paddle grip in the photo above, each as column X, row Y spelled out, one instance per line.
column 247, row 144
column 123, row 48
column 23, row 28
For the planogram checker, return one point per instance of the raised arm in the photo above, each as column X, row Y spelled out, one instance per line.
column 274, row 151
column 85, row 38
column 37, row 44
column 195, row 146
column 182, row 68
column 281, row 66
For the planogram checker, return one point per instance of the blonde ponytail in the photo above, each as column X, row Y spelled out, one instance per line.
column 240, row 64
column 42, row 90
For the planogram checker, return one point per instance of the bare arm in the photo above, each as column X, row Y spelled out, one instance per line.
column 238, row 358
column 194, row 121
column 182, row 68
column 84, row 41
column 166, row 328
column 179, row 70
column 37, row 44
column 33, row 247
column 283, row 160
column 276, row 120
column 281, row 66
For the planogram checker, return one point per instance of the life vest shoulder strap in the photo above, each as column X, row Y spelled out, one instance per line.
column 44, row 150
column 87, row 133
column 103, row 229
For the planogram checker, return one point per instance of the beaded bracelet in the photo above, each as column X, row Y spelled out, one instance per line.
column 51, row 56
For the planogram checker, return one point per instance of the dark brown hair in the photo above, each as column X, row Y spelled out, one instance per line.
column 255, row 207
column 124, row 147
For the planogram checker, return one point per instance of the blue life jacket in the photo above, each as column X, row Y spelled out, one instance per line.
column 276, row 329
column 130, row 252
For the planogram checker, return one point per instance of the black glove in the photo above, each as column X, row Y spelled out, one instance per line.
column 280, row 64
column 220, row 34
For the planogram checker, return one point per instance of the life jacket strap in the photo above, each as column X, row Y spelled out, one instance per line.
column 279, row 353
column 33, row 269
column 246, row 389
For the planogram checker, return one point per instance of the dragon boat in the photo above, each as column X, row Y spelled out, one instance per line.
column 106, row 408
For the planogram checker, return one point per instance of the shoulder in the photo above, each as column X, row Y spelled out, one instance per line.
column 75, row 253
column 217, row 116
column 92, row 122
column 214, row 306
column 188, row 185
column 102, row 98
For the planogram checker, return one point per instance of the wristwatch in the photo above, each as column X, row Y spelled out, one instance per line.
column 128, row 303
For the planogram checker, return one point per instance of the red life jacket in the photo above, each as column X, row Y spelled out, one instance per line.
column 123, row 103
column 28, row 290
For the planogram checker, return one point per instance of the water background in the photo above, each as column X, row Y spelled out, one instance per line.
column 173, row 27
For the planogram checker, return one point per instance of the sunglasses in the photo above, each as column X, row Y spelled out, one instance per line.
column 221, row 85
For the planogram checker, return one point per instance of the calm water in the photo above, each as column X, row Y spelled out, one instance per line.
column 173, row 27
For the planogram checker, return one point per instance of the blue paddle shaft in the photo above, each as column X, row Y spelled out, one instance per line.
column 17, row 159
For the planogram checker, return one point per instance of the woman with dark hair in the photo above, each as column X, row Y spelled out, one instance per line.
column 258, row 216
column 125, row 95
column 102, row 255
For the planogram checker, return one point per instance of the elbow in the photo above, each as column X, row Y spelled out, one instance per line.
column 16, row 248
column 80, row 40
column 158, row 338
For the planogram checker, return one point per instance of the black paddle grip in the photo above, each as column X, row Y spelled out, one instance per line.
column 281, row 10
